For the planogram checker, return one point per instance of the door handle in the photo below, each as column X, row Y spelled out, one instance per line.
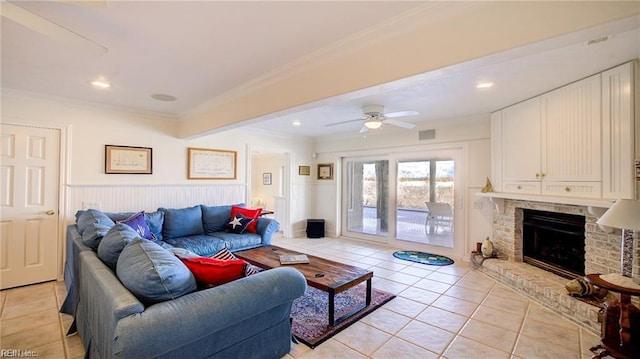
column 48, row 213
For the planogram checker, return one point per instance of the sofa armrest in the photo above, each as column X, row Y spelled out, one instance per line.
column 266, row 227
column 191, row 317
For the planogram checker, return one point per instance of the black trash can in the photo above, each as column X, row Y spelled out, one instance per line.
column 315, row 228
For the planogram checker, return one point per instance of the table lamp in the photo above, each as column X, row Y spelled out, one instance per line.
column 624, row 214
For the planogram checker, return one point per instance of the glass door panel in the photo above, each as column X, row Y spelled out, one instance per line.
column 425, row 201
column 367, row 193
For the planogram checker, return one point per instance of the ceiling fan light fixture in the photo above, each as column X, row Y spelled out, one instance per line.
column 101, row 83
column 373, row 123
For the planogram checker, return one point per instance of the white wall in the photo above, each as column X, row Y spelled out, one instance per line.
column 89, row 128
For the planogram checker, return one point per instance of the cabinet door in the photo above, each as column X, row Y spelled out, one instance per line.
column 617, row 132
column 521, row 141
column 571, row 132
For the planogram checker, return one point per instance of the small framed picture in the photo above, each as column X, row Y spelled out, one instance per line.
column 266, row 178
column 304, row 170
column 127, row 160
column 325, row 171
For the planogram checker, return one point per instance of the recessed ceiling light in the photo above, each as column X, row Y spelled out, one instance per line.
column 296, row 123
column 163, row 97
column 484, row 85
column 101, row 83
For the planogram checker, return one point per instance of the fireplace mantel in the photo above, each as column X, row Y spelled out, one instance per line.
column 497, row 198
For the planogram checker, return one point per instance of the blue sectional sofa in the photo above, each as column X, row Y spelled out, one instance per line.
column 107, row 263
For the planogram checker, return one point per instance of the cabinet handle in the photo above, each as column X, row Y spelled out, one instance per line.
column 537, row 176
column 519, row 187
column 542, row 175
column 567, row 189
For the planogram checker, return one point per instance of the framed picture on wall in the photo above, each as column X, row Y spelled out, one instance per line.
column 325, row 171
column 127, row 160
column 266, row 178
column 206, row 163
column 304, row 170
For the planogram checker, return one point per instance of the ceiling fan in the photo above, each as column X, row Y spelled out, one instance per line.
column 374, row 118
column 20, row 14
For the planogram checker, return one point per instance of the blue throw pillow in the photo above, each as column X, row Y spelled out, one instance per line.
column 152, row 273
column 181, row 222
column 93, row 225
column 238, row 224
column 139, row 224
column 114, row 242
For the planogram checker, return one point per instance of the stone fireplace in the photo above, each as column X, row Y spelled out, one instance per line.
column 602, row 250
column 601, row 255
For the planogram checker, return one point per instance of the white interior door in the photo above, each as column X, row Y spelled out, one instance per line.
column 30, row 158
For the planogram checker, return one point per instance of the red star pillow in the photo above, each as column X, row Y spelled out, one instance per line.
column 247, row 212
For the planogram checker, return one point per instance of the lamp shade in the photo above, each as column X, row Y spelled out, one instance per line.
column 624, row 214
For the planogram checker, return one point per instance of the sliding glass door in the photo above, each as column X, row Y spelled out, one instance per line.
column 403, row 198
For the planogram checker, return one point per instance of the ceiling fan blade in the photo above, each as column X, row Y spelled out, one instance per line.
column 343, row 122
column 402, row 124
column 401, row 114
column 50, row 29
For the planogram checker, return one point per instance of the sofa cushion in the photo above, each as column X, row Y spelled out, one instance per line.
column 114, row 242
column 247, row 212
column 201, row 245
column 212, row 272
column 181, row 222
column 139, row 224
column 155, row 221
column 238, row 224
column 236, row 242
column 215, row 218
column 152, row 273
column 93, row 225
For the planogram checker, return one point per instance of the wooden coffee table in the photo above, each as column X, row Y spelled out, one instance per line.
column 326, row 275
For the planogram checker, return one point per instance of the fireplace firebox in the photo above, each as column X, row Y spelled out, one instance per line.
column 554, row 242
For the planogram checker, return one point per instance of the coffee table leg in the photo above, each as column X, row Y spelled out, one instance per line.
column 332, row 295
column 368, row 298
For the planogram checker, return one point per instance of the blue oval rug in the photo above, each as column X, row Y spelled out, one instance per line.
column 424, row 258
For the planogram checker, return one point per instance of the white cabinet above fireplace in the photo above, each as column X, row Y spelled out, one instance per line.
column 575, row 142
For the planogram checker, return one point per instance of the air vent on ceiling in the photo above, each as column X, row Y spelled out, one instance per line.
column 426, row 135
column 598, row 40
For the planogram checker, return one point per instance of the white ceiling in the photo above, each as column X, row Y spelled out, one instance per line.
column 197, row 51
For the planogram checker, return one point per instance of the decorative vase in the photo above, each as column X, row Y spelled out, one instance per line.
column 487, row 248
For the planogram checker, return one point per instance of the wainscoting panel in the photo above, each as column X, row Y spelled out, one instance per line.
column 149, row 198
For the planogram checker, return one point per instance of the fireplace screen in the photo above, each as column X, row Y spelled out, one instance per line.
column 554, row 241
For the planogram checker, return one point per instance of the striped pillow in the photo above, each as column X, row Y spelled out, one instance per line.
column 224, row 255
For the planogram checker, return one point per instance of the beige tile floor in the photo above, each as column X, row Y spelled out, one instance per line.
column 439, row 312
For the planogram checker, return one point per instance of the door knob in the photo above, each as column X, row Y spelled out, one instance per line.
column 48, row 213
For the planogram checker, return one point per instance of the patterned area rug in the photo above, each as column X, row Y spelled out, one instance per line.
column 424, row 258
column 311, row 312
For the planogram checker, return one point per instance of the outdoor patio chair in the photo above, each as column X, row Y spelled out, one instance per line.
column 440, row 214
